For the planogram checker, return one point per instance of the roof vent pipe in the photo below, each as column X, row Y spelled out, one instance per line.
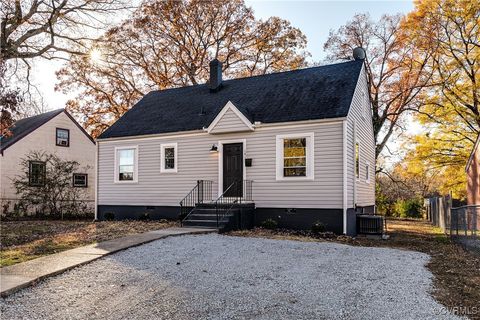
column 215, row 75
column 359, row 53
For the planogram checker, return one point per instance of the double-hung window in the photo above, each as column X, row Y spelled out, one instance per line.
column 168, row 158
column 294, row 157
column 357, row 160
column 36, row 173
column 126, row 164
column 80, row 180
column 62, row 137
column 367, row 172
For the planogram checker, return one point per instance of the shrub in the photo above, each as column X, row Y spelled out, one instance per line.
column 318, row 227
column 269, row 224
column 55, row 196
column 109, row 216
column 411, row 208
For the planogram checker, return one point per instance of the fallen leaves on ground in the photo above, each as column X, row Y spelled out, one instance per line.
column 25, row 240
column 456, row 271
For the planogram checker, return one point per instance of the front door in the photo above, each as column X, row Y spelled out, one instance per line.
column 233, row 169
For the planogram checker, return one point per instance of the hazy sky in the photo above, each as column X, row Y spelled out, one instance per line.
column 314, row 18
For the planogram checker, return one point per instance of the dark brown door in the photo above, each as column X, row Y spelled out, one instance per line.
column 233, row 169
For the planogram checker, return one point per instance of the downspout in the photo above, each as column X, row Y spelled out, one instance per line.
column 345, row 180
column 355, row 141
column 96, row 180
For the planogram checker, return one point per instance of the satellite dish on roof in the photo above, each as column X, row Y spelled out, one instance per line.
column 359, row 53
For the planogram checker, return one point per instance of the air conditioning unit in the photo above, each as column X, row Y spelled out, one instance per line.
column 63, row 142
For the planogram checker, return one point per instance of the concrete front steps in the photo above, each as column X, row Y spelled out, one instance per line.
column 239, row 216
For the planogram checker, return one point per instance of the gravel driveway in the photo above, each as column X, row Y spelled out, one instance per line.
column 221, row 277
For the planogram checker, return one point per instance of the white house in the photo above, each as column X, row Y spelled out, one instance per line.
column 296, row 147
column 54, row 132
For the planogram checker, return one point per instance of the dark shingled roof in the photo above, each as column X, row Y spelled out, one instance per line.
column 305, row 94
column 24, row 126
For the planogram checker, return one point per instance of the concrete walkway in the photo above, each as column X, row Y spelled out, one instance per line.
column 22, row 275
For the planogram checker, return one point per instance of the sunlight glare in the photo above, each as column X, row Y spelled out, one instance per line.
column 95, row 56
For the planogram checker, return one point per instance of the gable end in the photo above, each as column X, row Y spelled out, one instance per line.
column 230, row 119
column 24, row 127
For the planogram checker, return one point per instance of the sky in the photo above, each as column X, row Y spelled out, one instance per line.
column 314, row 18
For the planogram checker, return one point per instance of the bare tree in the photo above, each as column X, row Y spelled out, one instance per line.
column 51, row 192
column 48, row 29
column 169, row 44
column 396, row 69
column 43, row 28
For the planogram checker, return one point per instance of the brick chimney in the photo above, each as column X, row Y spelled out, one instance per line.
column 215, row 82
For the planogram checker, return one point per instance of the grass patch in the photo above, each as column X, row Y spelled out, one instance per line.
column 25, row 240
column 456, row 271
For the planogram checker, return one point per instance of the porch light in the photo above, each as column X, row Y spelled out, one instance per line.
column 214, row 148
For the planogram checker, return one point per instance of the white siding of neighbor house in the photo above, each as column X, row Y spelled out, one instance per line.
column 360, row 128
column 230, row 122
column 195, row 161
column 81, row 149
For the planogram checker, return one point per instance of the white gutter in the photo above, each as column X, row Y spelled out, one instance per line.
column 258, row 127
column 96, row 182
column 345, row 181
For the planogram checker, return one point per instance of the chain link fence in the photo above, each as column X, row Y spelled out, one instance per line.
column 460, row 223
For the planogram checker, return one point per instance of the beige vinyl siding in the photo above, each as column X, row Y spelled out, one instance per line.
column 195, row 161
column 360, row 128
column 230, row 122
column 81, row 149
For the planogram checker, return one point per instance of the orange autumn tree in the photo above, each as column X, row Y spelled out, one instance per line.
column 10, row 98
column 396, row 69
column 450, row 107
column 168, row 44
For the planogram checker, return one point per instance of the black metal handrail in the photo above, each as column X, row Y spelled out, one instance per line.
column 237, row 192
column 201, row 193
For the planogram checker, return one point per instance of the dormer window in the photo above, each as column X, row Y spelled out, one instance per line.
column 63, row 137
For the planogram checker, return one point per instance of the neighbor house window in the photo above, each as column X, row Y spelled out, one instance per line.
column 168, row 157
column 295, row 157
column 80, row 180
column 126, row 164
column 63, row 137
column 367, row 172
column 36, row 173
column 357, row 160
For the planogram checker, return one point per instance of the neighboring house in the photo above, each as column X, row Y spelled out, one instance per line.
column 473, row 175
column 54, row 132
column 297, row 145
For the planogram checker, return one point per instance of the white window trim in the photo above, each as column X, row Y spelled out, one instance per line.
column 80, row 174
column 365, row 105
column 162, row 157
column 309, row 156
column 135, row 168
column 220, row 161
column 367, row 172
